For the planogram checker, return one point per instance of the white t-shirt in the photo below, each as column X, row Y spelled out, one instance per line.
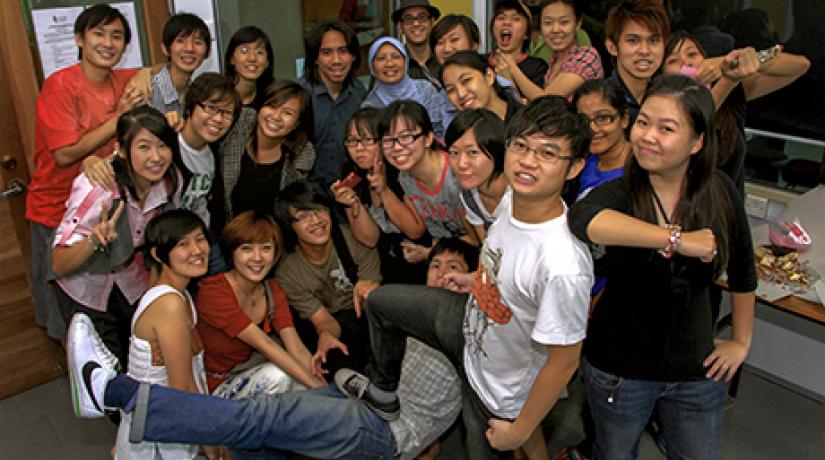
column 202, row 165
column 533, row 285
column 475, row 219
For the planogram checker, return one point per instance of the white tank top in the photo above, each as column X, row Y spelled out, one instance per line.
column 140, row 350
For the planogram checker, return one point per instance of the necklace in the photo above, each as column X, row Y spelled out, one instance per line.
column 661, row 208
column 251, row 296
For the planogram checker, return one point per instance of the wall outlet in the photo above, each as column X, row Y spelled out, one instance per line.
column 756, row 206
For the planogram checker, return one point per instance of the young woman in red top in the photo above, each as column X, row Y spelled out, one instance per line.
column 241, row 311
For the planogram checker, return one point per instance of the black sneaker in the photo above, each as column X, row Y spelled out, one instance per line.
column 356, row 386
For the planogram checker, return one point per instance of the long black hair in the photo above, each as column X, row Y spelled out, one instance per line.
column 705, row 201
column 725, row 121
column 251, row 34
column 128, row 126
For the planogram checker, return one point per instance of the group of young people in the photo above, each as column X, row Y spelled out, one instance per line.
column 491, row 235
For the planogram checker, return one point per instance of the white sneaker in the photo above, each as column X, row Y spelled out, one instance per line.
column 91, row 367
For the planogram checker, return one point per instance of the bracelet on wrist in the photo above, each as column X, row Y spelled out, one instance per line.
column 673, row 241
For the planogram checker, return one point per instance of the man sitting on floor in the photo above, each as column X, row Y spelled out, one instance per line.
column 319, row 423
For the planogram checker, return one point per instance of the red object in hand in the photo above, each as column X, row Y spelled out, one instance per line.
column 350, row 181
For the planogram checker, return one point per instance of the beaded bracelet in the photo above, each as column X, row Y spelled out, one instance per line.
column 673, row 241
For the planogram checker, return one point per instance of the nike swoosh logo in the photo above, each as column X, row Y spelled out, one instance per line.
column 88, row 368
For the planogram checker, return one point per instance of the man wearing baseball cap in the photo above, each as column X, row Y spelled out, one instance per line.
column 415, row 19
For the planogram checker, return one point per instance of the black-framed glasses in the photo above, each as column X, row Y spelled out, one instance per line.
column 408, row 19
column 604, row 119
column 212, row 110
column 546, row 155
column 402, row 140
column 352, row 142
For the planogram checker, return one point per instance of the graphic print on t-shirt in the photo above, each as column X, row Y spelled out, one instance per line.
column 339, row 277
column 485, row 287
column 195, row 196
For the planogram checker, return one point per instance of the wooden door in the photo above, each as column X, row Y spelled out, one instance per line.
column 28, row 356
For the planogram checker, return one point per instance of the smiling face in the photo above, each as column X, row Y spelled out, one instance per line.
column 276, row 122
column 663, row 139
column 388, row 64
column 558, row 25
column 510, row 30
column 363, row 153
column 311, row 226
column 469, row 163
column 452, row 42
column 253, row 261
column 102, row 45
column 189, row 258
column 685, row 53
column 606, row 122
column 250, row 60
column 467, row 88
column 334, row 59
column 186, row 53
column 149, row 158
column 442, row 264
column 639, row 51
column 209, row 121
column 405, row 157
column 416, row 25
column 535, row 180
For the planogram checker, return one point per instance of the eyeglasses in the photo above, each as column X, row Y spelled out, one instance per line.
column 305, row 214
column 402, row 140
column 544, row 155
column 408, row 19
column 352, row 142
column 212, row 110
column 604, row 119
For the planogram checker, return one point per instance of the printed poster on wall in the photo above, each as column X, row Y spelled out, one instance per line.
column 54, row 29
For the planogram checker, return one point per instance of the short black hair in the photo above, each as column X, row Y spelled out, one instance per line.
column 209, row 85
column 164, row 232
column 100, row 15
column 467, row 251
column 412, row 112
column 251, row 34
column 184, row 25
column 501, row 5
column 448, row 23
column 554, row 117
column 303, row 196
column 312, row 48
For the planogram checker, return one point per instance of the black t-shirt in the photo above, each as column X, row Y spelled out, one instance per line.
column 654, row 320
column 257, row 185
column 533, row 68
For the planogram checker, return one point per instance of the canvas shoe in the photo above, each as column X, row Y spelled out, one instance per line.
column 357, row 386
column 91, row 367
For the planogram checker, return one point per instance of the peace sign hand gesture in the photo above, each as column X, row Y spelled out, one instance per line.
column 105, row 232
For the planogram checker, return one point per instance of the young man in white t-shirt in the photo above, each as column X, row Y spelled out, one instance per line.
column 210, row 105
column 522, row 325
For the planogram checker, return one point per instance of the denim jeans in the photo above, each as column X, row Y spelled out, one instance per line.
column 435, row 317
column 319, row 423
column 690, row 413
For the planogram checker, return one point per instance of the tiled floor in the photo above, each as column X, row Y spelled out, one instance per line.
column 768, row 422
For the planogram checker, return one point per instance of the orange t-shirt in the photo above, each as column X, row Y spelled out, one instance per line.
column 69, row 106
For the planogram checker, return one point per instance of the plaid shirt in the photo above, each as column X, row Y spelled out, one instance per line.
column 165, row 97
column 430, row 397
column 583, row 61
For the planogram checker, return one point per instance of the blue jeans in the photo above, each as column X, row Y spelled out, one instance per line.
column 690, row 413
column 318, row 423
